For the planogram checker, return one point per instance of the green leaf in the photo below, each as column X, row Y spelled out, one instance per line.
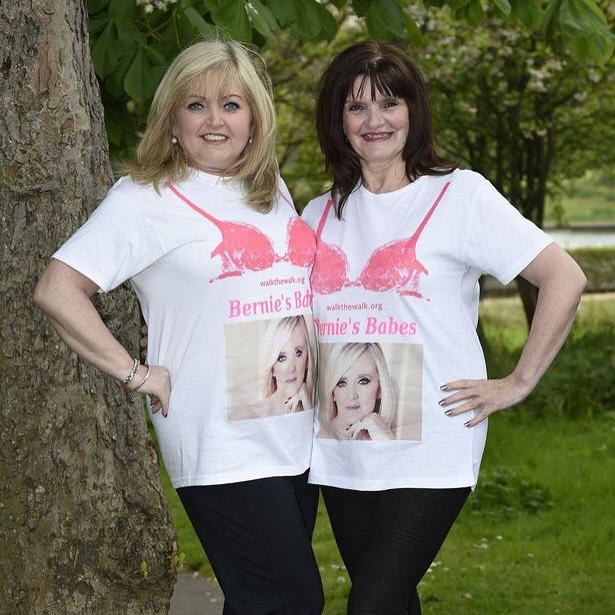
column 503, row 6
column 457, row 4
column 142, row 77
column 528, row 12
column 199, row 24
column 361, row 7
column 284, row 11
column 413, row 31
column 231, row 14
column 262, row 19
column 581, row 16
column 123, row 9
column 472, row 12
column 582, row 27
column 375, row 26
column 133, row 80
column 314, row 20
column 103, row 51
column 549, row 23
column 390, row 15
column 96, row 5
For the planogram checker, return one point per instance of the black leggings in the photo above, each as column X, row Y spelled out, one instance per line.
column 388, row 539
column 257, row 535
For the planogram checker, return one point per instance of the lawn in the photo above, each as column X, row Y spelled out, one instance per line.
column 537, row 536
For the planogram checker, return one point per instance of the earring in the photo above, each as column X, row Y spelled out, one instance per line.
column 250, row 139
column 174, row 140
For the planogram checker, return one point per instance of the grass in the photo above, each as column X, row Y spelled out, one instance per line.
column 536, row 536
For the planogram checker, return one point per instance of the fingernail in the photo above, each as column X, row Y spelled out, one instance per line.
column 468, row 424
column 442, row 402
column 448, row 412
column 444, row 388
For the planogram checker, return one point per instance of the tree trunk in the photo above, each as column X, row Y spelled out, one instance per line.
column 529, row 298
column 83, row 524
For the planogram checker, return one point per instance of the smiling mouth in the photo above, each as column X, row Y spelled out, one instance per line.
column 213, row 138
column 376, row 136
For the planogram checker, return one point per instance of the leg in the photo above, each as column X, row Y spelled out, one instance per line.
column 257, row 535
column 388, row 539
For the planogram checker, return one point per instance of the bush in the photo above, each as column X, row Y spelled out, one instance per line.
column 598, row 265
column 502, row 494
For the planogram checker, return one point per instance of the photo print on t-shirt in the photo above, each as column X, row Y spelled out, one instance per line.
column 370, row 391
column 271, row 367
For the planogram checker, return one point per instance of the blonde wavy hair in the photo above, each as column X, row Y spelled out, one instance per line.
column 228, row 62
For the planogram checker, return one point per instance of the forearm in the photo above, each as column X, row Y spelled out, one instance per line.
column 558, row 298
column 64, row 296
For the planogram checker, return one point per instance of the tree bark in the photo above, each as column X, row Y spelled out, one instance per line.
column 83, row 523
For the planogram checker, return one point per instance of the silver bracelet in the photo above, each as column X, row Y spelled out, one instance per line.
column 129, row 379
column 133, row 371
column 147, row 373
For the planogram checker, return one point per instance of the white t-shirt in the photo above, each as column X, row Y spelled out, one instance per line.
column 398, row 279
column 218, row 283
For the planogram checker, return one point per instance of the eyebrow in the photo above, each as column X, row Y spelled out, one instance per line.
column 202, row 97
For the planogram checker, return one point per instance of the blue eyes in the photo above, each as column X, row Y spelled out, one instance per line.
column 282, row 357
column 227, row 106
column 341, row 383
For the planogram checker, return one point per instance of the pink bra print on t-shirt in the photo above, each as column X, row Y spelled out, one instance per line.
column 246, row 248
column 393, row 266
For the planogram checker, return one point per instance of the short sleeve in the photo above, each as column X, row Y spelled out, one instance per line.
column 499, row 240
column 117, row 241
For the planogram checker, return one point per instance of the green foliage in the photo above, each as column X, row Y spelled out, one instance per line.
column 133, row 41
column 514, row 109
column 579, row 384
column 503, row 493
column 598, row 264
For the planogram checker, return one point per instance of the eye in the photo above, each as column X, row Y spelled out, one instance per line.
column 299, row 352
column 389, row 104
column 194, row 106
column 281, row 358
column 355, row 107
column 364, row 380
column 231, row 106
column 341, row 383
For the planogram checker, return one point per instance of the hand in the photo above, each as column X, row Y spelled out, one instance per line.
column 375, row 427
column 158, row 389
column 484, row 396
column 298, row 402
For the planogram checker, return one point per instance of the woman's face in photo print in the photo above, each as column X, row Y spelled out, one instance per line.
column 290, row 366
column 357, row 392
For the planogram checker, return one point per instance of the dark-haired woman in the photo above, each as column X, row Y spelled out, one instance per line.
column 402, row 239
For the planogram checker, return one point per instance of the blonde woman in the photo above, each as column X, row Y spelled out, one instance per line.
column 357, row 394
column 287, row 364
column 197, row 225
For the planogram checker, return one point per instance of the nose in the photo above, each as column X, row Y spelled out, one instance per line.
column 374, row 116
column 213, row 116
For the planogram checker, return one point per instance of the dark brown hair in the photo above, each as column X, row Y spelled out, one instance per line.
column 392, row 73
